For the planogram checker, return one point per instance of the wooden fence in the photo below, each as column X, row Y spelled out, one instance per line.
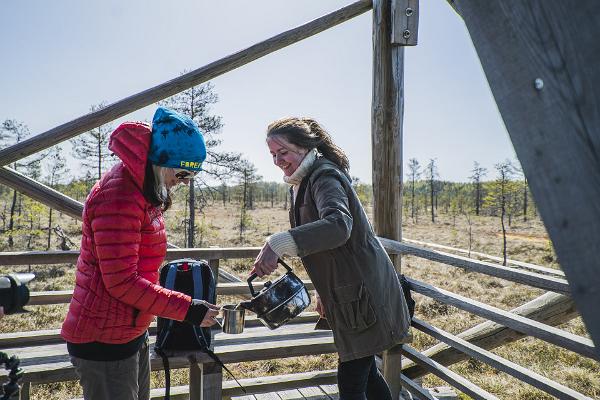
column 556, row 308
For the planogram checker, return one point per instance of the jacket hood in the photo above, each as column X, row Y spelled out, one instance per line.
column 131, row 143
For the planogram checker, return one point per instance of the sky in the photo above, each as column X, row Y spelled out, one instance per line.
column 60, row 57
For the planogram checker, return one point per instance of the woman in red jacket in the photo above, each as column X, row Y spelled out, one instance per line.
column 124, row 242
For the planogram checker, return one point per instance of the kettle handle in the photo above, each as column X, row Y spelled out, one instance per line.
column 254, row 276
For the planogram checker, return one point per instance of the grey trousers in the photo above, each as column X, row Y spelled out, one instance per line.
column 127, row 379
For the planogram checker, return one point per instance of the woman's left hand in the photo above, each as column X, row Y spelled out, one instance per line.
column 266, row 262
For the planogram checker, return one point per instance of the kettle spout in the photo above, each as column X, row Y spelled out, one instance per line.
column 246, row 304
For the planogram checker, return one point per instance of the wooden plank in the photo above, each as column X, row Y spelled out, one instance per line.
column 528, row 266
column 549, row 283
column 51, row 363
column 447, row 375
column 551, row 309
column 40, row 192
column 280, row 382
column 290, row 395
column 179, row 84
column 331, row 391
column 267, row 396
column 415, row 389
column 405, row 22
column 540, row 59
column 566, row 340
column 313, row 393
column 523, row 374
column 387, row 113
column 50, row 336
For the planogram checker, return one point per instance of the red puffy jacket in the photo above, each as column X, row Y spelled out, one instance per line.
column 122, row 247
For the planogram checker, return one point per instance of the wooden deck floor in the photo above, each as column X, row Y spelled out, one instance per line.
column 323, row 392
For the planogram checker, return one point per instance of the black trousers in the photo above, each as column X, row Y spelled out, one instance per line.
column 360, row 380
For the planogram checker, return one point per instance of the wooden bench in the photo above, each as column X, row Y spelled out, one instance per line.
column 44, row 357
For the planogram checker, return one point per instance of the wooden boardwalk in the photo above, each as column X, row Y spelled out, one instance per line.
column 323, row 392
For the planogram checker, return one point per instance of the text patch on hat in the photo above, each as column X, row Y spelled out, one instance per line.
column 190, row 164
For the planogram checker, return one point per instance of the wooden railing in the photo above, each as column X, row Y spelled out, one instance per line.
column 539, row 327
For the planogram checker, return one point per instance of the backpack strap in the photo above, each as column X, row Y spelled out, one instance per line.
column 169, row 284
column 198, row 284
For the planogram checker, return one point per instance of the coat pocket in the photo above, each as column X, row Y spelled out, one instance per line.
column 352, row 308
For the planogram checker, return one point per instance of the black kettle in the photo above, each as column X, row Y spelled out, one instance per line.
column 279, row 301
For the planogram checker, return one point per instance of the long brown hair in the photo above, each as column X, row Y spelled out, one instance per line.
column 309, row 134
column 152, row 192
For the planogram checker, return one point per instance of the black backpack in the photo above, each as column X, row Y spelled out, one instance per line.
column 194, row 278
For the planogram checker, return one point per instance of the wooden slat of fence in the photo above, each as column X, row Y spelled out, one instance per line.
column 40, row 192
column 447, row 375
column 515, row 263
column 64, row 296
column 549, row 283
column 523, row 374
column 179, row 84
column 551, row 309
column 415, row 389
column 65, row 257
column 51, row 336
column 563, row 339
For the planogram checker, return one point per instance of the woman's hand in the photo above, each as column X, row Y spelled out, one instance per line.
column 211, row 314
column 266, row 262
column 320, row 308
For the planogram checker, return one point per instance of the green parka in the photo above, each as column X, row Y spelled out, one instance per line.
column 351, row 271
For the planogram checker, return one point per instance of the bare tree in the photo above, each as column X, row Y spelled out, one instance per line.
column 414, row 173
column 499, row 196
column 92, row 147
column 196, row 103
column 432, row 174
column 478, row 173
column 56, row 169
column 12, row 132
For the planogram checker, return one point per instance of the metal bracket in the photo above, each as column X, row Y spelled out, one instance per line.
column 405, row 22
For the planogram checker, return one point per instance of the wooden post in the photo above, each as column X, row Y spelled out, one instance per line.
column 195, row 381
column 24, row 392
column 386, row 130
column 206, row 381
column 541, row 62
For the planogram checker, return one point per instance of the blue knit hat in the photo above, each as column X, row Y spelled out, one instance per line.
column 176, row 141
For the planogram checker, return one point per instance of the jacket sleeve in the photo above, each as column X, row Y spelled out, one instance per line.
column 116, row 226
column 334, row 226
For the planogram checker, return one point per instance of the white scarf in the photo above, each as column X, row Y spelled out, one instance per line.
column 302, row 170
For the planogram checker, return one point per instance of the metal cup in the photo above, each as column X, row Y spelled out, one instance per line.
column 233, row 318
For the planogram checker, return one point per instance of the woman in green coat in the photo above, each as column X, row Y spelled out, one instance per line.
column 358, row 289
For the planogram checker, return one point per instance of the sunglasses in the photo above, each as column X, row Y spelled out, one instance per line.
column 182, row 174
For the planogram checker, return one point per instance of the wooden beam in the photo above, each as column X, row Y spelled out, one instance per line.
column 386, row 126
column 550, row 283
column 521, row 373
column 447, row 375
column 64, row 257
column 551, row 309
column 541, row 61
column 405, row 22
column 566, row 340
column 181, row 83
column 41, row 193
column 513, row 263
column 386, row 134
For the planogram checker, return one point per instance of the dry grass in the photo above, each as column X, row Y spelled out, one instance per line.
column 527, row 241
